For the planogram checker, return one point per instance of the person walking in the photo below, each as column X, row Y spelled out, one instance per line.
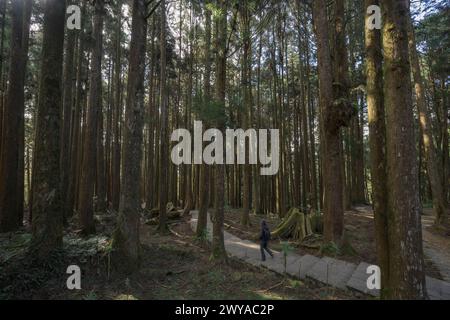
column 264, row 238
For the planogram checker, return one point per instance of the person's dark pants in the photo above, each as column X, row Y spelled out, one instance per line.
column 263, row 247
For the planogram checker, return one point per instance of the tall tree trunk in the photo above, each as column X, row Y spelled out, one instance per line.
column 258, row 122
column 218, row 244
column 108, row 133
column 69, row 82
column 204, row 168
column 11, row 162
column 100, row 189
column 406, row 264
column 47, row 215
column 303, row 118
column 246, row 86
column 189, row 197
column 164, row 148
column 377, row 142
column 445, row 109
column 361, row 195
column 21, row 173
column 75, row 152
column 126, row 243
column 2, row 47
column 117, row 111
column 311, row 115
column 88, row 167
column 341, row 85
column 434, row 167
column 152, row 119
column 331, row 121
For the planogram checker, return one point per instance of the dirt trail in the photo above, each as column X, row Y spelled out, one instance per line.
column 436, row 247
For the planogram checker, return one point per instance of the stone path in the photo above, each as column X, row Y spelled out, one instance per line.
column 333, row 272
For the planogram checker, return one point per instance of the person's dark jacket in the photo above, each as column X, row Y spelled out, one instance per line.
column 265, row 232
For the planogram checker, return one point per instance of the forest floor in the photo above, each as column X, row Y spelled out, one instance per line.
column 174, row 266
column 359, row 236
column 177, row 266
column 436, row 245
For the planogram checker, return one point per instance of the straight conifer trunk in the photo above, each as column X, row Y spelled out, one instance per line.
column 89, row 160
column 434, row 166
column 406, row 264
column 47, row 206
column 126, row 242
column 11, row 160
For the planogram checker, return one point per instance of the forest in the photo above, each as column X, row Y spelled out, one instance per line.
column 324, row 122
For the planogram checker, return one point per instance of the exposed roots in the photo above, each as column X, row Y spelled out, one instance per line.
column 297, row 226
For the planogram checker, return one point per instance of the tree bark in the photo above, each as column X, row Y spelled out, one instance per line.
column 433, row 165
column 126, row 243
column 88, row 169
column 11, row 161
column 47, row 206
column 188, row 169
column 377, row 142
column 164, row 148
column 117, row 111
column 406, row 264
column 152, row 120
column 246, row 87
column 218, row 243
column 75, row 152
column 331, row 122
column 204, row 168
column 100, row 186
column 2, row 47
column 69, row 84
